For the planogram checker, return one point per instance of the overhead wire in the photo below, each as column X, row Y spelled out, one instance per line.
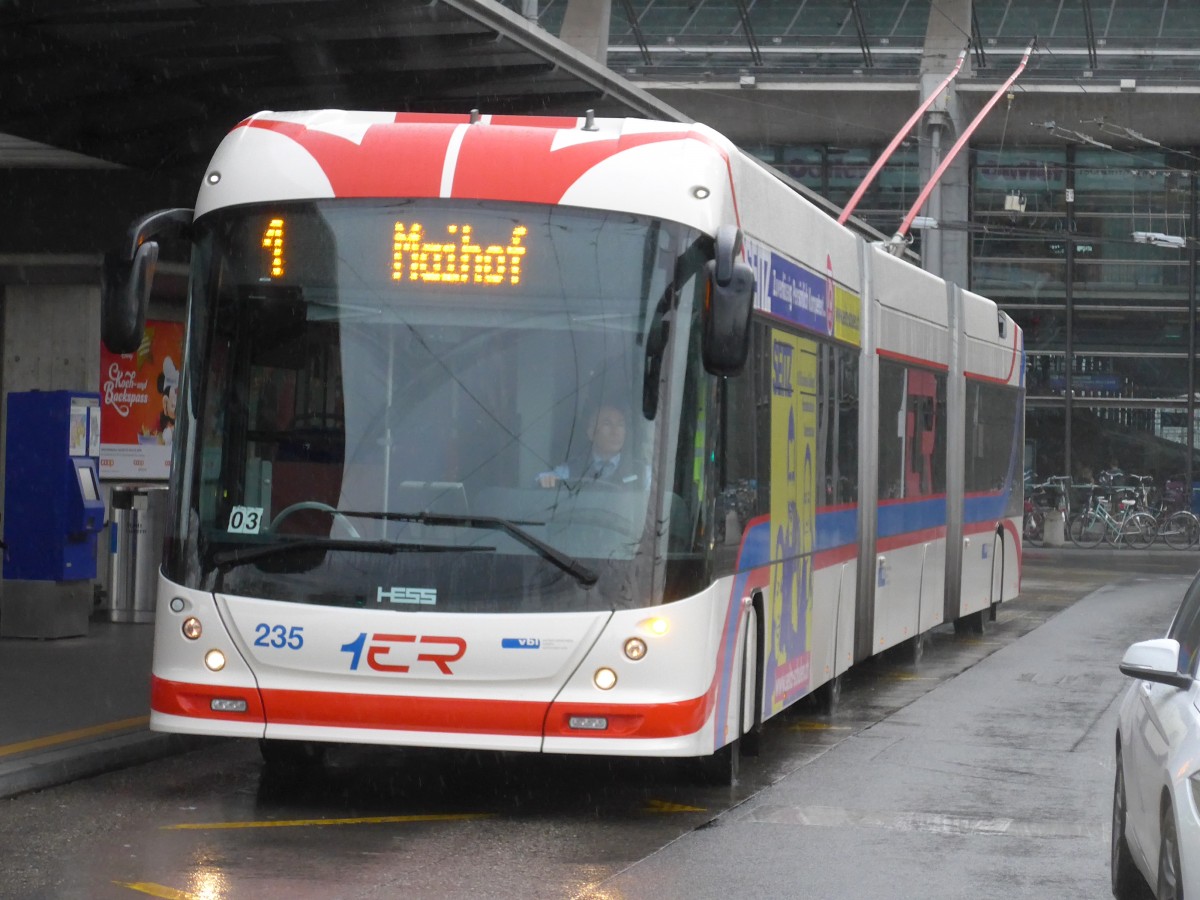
column 1053, row 128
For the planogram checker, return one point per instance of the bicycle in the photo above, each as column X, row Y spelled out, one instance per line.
column 1180, row 530
column 1134, row 528
column 1178, row 526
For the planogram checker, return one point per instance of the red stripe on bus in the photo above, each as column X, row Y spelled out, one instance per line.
column 454, row 715
column 176, row 698
column 979, row 527
column 568, row 123
column 911, row 538
column 1012, row 364
column 915, row 360
column 523, row 165
column 388, row 162
column 450, row 715
column 655, row 720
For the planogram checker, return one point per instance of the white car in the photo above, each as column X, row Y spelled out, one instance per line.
column 1156, row 794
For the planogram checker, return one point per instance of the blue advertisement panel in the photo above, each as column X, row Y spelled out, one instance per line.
column 800, row 296
column 804, row 297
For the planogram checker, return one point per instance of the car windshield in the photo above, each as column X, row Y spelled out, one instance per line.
column 395, row 397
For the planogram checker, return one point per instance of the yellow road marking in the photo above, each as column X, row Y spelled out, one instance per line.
column 156, row 890
column 79, row 734
column 662, row 806
column 902, row 676
column 302, row 823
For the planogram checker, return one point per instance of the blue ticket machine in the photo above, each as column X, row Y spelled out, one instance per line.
column 53, row 513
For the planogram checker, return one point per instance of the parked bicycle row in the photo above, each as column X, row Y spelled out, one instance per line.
column 1130, row 511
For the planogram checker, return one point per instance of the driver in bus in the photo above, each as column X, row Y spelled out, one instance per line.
column 607, row 462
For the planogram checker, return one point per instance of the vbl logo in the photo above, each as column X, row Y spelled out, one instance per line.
column 520, row 643
column 381, row 659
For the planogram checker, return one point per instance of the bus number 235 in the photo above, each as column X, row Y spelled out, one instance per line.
column 279, row 636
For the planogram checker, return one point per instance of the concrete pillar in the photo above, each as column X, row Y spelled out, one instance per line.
column 585, row 27
column 945, row 251
column 51, row 342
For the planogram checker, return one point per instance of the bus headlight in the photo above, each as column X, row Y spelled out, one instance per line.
column 191, row 628
column 605, row 678
column 215, row 660
column 658, row 626
column 635, row 648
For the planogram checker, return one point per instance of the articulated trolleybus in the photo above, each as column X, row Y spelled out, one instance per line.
column 400, row 324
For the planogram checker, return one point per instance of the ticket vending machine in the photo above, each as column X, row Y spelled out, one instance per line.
column 53, row 513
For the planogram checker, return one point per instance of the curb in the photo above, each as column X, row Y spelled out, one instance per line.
column 1106, row 551
column 54, row 767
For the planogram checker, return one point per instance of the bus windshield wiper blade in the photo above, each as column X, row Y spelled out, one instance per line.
column 228, row 559
column 568, row 564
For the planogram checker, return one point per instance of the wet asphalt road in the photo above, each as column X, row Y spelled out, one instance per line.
column 981, row 769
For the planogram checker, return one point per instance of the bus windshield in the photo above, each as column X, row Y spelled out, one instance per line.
column 439, row 405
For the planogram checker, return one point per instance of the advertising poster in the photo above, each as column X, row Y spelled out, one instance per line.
column 792, row 292
column 787, row 662
column 138, row 393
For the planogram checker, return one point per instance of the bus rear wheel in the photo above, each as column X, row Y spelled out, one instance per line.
column 972, row 623
column 828, row 696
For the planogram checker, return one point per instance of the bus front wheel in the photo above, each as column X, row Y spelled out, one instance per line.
column 291, row 754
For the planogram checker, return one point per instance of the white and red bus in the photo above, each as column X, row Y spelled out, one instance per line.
column 398, row 322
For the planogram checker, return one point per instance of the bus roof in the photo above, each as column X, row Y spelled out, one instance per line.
column 662, row 169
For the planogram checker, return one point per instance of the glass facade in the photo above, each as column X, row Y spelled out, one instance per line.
column 1090, row 250
column 836, row 173
column 1103, row 286
column 1088, row 242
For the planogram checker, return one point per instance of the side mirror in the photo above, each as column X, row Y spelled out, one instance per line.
column 1156, row 660
column 728, row 302
column 129, row 278
column 126, row 295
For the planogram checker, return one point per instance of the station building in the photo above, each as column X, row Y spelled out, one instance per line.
column 1072, row 201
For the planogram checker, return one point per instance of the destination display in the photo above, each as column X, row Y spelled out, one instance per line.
column 423, row 256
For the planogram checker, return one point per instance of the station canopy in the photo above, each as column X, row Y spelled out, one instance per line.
column 155, row 84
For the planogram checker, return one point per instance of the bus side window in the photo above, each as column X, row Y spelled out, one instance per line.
column 737, row 457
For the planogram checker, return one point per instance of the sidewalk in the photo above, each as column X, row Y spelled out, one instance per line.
column 75, row 707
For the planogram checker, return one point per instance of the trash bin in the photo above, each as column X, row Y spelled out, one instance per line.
column 138, row 523
column 1053, row 528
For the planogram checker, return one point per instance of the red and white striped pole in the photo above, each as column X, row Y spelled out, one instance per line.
column 899, row 237
column 900, row 135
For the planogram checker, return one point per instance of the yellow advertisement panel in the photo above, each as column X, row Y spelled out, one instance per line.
column 793, row 517
column 847, row 319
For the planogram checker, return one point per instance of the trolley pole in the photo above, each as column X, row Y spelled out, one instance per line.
column 900, row 239
column 900, row 136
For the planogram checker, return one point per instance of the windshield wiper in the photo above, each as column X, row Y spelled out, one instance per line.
column 568, row 564
column 224, row 560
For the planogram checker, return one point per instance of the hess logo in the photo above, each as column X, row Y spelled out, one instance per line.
column 400, row 652
column 414, row 595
